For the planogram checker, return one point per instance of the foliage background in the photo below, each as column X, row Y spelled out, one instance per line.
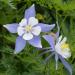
column 28, row 62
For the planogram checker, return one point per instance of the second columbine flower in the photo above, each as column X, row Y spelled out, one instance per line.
column 62, row 47
column 59, row 48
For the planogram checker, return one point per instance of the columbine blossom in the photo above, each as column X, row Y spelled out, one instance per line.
column 28, row 30
column 62, row 47
column 59, row 48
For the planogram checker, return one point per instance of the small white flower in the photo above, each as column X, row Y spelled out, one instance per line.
column 28, row 28
column 62, row 47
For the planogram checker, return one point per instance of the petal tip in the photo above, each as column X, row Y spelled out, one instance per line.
column 54, row 24
column 44, row 36
column 4, row 26
column 33, row 5
column 15, row 52
column 40, row 46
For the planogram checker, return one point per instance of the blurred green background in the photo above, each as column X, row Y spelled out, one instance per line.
column 27, row 62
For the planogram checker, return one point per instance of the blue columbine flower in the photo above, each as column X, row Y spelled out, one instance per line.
column 59, row 48
column 28, row 30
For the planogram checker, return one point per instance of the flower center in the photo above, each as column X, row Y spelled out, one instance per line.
column 28, row 28
column 63, row 46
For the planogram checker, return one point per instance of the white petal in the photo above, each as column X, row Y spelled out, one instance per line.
column 32, row 21
column 20, row 31
column 59, row 39
column 36, row 30
column 64, row 40
column 23, row 22
column 27, row 36
column 66, row 54
column 58, row 48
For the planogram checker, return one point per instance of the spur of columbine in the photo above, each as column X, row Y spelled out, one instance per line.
column 58, row 48
column 28, row 30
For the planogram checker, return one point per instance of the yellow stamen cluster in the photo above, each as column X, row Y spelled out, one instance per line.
column 28, row 28
column 63, row 46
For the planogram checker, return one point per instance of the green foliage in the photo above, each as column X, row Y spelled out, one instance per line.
column 28, row 62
